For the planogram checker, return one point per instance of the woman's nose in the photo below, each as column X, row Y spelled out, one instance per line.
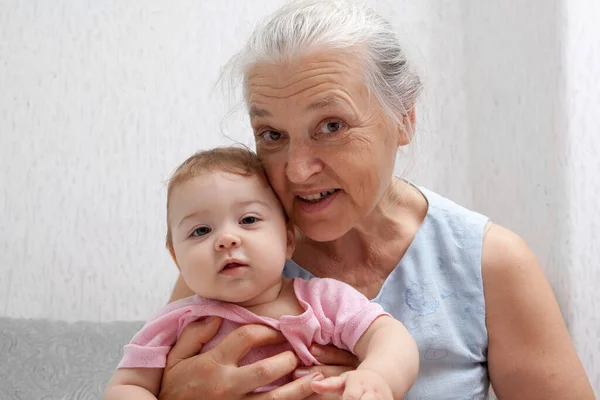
column 227, row 241
column 302, row 163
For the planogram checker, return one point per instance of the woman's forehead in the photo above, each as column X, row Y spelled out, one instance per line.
column 308, row 74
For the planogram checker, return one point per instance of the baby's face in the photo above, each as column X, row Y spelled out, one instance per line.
column 230, row 237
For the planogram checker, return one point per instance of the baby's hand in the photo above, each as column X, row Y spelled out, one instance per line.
column 355, row 385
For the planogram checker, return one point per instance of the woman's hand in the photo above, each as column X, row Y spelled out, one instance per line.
column 335, row 362
column 216, row 375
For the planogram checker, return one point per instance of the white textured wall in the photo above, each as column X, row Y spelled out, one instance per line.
column 533, row 96
column 99, row 101
column 581, row 41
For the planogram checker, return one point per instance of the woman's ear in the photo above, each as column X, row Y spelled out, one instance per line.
column 406, row 129
column 291, row 240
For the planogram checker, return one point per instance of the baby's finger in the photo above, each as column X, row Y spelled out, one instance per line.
column 369, row 396
column 333, row 385
column 353, row 390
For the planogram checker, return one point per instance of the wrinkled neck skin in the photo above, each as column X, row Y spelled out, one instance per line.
column 377, row 242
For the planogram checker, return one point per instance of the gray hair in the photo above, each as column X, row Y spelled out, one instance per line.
column 337, row 24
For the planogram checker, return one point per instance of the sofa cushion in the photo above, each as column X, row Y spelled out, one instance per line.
column 45, row 359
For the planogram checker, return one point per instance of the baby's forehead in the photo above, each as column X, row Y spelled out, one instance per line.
column 227, row 186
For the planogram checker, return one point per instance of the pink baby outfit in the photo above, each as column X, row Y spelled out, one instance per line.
column 335, row 313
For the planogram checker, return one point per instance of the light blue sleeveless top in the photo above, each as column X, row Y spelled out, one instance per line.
column 437, row 292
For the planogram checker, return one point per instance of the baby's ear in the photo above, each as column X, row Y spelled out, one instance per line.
column 173, row 256
column 291, row 240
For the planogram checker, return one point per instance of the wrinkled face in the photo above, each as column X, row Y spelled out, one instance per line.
column 230, row 237
column 328, row 146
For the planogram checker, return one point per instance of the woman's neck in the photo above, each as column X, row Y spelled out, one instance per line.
column 379, row 240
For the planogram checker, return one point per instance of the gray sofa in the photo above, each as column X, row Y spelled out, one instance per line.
column 42, row 359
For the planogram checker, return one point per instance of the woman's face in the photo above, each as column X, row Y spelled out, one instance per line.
column 328, row 146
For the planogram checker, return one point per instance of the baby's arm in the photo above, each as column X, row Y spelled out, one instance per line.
column 388, row 349
column 390, row 356
column 134, row 383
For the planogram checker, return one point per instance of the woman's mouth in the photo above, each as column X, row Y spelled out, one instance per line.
column 316, row 197
column 316, row 202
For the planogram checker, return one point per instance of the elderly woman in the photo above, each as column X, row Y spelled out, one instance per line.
column 331, row 98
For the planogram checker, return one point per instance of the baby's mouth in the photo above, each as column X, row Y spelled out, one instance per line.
column 233, row 268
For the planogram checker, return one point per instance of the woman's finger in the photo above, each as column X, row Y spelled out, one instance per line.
column 239, row 342
column 191, row 340
column 297, row 390
column 262, row 372
column 326, row 370
column 331, row 355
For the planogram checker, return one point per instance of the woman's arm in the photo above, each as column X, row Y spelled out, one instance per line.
column 134, row 384
column 530, row 354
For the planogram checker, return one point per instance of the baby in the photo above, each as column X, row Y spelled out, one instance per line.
column 230, row 238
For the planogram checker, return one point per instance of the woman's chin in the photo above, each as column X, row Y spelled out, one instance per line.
column 322, row 231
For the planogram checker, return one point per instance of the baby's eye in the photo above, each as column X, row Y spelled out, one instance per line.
column 249, row 220
column 201, row 231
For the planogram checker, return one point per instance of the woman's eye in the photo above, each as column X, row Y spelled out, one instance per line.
column 201, row 231
column 249, row 220
column 271, row 136
column 331, row 126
